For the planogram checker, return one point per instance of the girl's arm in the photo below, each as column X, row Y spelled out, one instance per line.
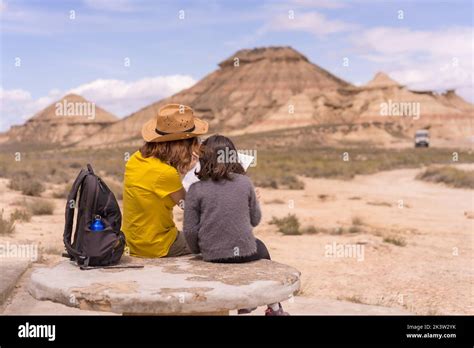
column 255, row 212
column 192, row 219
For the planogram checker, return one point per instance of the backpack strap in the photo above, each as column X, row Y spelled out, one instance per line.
column 69, row 221
column 89, row 168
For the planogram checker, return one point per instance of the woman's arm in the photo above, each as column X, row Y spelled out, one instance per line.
column 178, row 197
column 255, row 212
column 192, row 219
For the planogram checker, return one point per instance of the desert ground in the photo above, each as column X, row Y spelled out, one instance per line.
column 416, row 240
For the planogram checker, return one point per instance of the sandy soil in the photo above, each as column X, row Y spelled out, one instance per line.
column 431, row 274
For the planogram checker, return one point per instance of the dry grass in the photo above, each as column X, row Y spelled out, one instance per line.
column 309, row 230
column 283, row 155
column 21, row 215
column 27, row 185
column 292, row 183
column 353, row 299
column 7, row 226
column 448, row 175
column 275, row 201
column 381, row 204
column 357, row 221
column 63, row 192
column 398, row 241
column 40, row 206
column 356, row 227
column 323, row 197
column 298, row 152
column 288, row 225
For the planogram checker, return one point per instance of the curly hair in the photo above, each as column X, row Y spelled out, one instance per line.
column 176, row 153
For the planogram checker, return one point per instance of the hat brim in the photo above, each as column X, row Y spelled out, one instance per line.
column 150, row 135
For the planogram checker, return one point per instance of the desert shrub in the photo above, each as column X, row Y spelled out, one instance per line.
column 40, row 207
column 7, row 226
column 32, row 188
column 266, row 182
column 287, row 225
column 449, row 175
column 75, row 165
column 398, row 241
column 63, row 192
column 354, row 229
column 309, row 230
column 292, row 182
column 380, row 204
column 357, row 221
column 27, row 186
column 21, row 215
column 276, row 201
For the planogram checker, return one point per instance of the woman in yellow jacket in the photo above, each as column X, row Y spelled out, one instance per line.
column 152, row 182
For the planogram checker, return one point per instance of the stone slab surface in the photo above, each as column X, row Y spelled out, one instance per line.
column 166, row 286
column 11, row 269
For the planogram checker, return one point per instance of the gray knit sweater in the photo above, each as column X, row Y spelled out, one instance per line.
column 219, row 216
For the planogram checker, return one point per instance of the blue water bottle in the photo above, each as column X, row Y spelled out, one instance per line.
column 97, row 225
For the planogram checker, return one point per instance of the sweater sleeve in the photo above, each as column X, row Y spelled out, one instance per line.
column 192, row 217
column 255, row 212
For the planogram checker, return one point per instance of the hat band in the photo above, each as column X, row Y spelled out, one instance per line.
column 166, row 133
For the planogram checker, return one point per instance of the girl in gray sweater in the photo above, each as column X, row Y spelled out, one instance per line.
column 222, row 208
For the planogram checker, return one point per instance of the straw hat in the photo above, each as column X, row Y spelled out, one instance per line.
column 173, row 122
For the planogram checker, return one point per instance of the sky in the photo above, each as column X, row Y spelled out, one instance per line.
column 125, row 54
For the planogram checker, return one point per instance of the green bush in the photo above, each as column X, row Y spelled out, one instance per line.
column 287, row 225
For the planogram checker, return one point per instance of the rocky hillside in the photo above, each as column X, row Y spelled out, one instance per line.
column 263, row 88
column 66, row 121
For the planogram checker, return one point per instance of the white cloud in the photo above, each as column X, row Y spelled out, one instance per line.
column 435, row 60
column 121, row 97
column 117, row 96
column 312, row 22
column 17, row 105
column 305, row 4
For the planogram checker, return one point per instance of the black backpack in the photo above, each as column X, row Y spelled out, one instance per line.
column 93, row 248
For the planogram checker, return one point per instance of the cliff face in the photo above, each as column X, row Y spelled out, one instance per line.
column 258, row 89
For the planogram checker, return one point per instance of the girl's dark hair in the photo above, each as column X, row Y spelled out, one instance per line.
column 218, row 159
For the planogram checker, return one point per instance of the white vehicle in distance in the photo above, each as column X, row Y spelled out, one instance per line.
column 422, row 138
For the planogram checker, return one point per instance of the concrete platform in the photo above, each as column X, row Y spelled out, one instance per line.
column 167, row 286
